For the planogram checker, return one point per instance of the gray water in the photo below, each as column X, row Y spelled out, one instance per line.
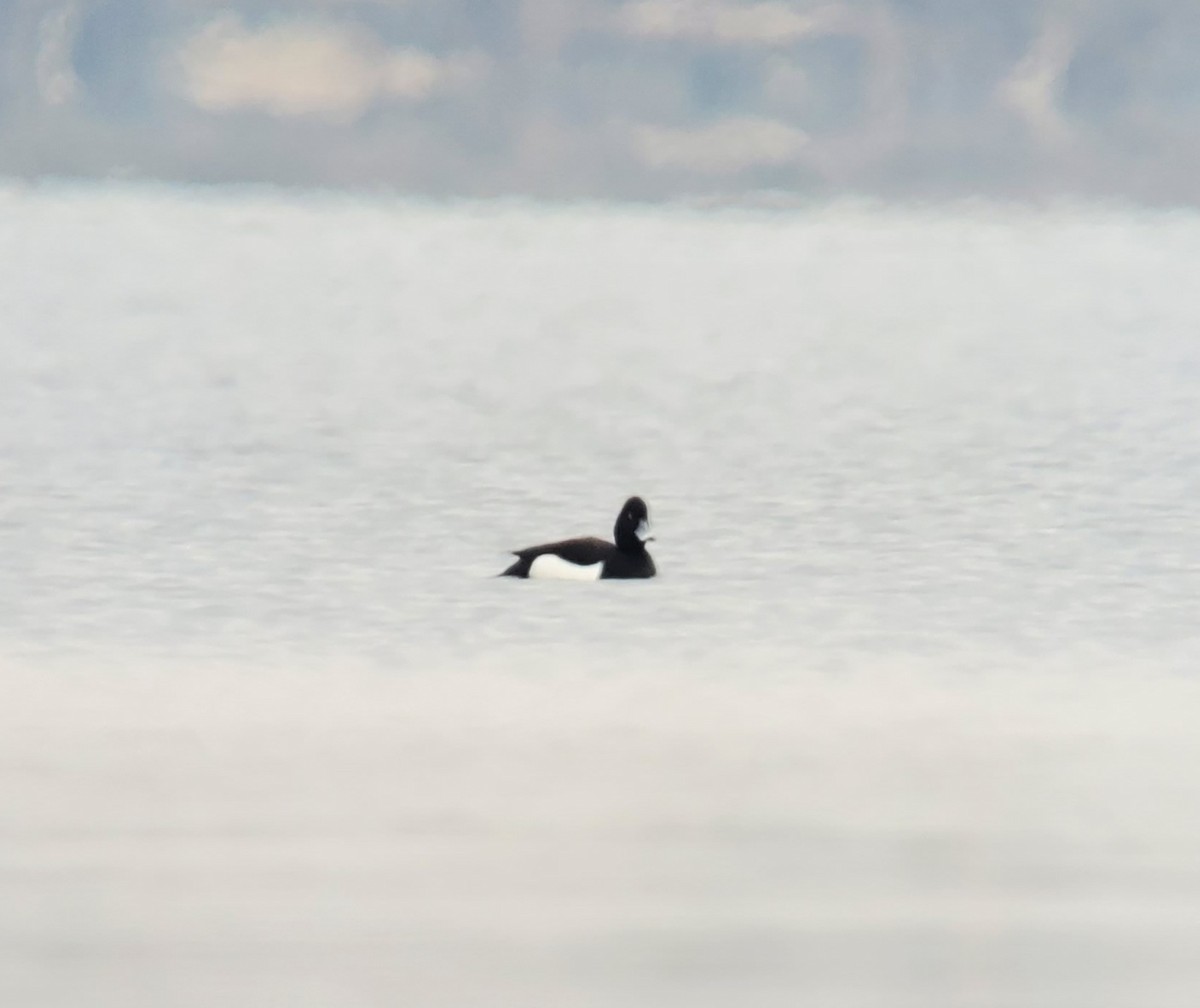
column 907, row 719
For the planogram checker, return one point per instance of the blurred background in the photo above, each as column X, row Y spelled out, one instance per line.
column 908, row 719
column 599, row 98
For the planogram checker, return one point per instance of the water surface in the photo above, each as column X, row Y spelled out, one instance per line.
column 907, row 719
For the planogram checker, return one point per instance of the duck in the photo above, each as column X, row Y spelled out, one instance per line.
column 590, row 558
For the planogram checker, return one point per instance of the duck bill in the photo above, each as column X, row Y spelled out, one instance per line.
column 643, row 531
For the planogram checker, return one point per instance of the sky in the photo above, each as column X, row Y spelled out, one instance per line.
column 624, row 99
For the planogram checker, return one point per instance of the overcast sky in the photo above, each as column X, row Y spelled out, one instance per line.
column 596, row 98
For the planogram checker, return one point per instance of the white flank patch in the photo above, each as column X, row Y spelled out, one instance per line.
column 550, row 566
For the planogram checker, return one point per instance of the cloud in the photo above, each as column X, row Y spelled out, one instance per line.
column 721, row 148
column 56, row 80
column 303, row 68
column 1033, row 89
column 765, row 23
